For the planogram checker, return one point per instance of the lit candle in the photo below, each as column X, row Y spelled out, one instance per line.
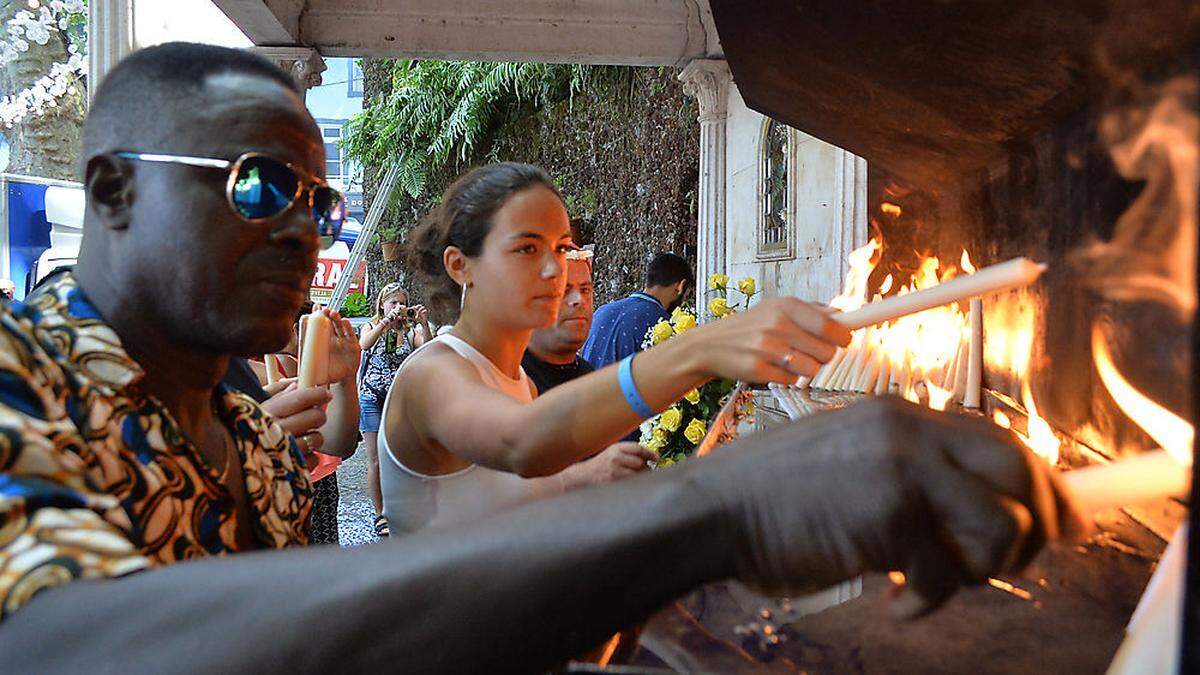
column 1015, row 273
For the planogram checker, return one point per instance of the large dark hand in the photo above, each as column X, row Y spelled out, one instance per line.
column 884, row 485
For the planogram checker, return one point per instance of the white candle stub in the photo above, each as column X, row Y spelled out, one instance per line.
column 1015, row 273
column 1141, row 478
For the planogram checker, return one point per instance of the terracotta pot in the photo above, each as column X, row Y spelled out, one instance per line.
column 391, row 251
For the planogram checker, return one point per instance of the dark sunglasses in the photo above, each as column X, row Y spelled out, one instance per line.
column 261, row 187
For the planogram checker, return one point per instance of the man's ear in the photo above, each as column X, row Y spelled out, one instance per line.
column 681, row 288
column 108, row 181
column 456, row 263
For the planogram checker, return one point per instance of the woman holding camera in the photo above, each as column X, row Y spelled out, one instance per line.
column 393, row 333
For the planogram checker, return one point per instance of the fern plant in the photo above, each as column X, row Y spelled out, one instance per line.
column 443, row 112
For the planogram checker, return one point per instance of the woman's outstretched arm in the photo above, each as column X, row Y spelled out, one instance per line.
column 776, row 341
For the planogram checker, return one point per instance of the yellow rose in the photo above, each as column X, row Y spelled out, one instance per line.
column 695, row 431
column 658, row 440
column 719, row 307
column 662, row 330
column 664, row 463
column 678, row 312
column 718, row 281
column 685, row 322
column 692, row 396
column 747, row 286
column 670, row 419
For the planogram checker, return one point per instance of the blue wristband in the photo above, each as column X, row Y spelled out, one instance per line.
column 629, row 389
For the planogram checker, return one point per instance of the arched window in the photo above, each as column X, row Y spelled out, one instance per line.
column 774, row 228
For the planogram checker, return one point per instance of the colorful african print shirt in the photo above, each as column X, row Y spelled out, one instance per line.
column 96, row 478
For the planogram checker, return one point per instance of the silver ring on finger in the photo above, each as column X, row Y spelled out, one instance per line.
column 307, row 447
column 787, row 360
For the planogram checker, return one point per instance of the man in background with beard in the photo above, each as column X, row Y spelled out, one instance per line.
column 619, row 327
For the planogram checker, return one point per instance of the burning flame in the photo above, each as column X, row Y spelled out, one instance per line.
column 938, row 397
column 919, row 350
column 891, row 209
column 862, row 262
column 1040, row 439
column 1170, row 431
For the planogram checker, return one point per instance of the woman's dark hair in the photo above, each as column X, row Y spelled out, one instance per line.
column 463, row 219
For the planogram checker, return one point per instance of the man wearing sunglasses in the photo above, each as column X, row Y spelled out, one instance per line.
column 129, row 478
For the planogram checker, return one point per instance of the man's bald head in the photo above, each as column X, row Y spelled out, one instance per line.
column 152, row 92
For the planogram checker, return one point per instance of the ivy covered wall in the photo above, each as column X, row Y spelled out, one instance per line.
column 626, row 160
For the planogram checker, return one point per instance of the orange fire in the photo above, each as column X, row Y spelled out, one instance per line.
column 1171, row 432
column 918, row 352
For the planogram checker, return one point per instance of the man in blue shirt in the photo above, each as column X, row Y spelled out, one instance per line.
column 618, row 328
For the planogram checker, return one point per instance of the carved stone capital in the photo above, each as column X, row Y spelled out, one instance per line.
column 304, row 63
column 707, row 80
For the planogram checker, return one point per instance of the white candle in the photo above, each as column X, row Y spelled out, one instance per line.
column 1015, row 273
column 1152, row 638
column 881, row 383
column 827, row 369
column 866, row 383
column 314, row 351
column 952, row 370
column 975, row 360
column 836, row 375
column 1133, row 480
column 848, row 371
column 960, row 375
column 784, row 400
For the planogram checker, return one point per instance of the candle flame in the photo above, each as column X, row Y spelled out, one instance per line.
column 886, row 285
column 854, row 291
column 965, row 263
column 891, row 209
column 1170, row 431
column 938, row 397
column 1001, row 420
column 1040, row 438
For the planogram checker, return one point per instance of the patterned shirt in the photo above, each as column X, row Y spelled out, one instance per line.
column 96, row 478
column 618, row 328
column 380, row 364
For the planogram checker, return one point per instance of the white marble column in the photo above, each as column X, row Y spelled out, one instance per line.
column 110, row 38
column 304, row 63
column 708, row 81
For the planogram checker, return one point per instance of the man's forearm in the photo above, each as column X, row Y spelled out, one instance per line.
column 520, row 591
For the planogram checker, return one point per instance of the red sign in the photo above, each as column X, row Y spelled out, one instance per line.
column 329, row 270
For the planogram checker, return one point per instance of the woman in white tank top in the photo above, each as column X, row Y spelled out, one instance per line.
column 463, row 435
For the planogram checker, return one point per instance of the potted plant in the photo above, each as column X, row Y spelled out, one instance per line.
column 389, row 238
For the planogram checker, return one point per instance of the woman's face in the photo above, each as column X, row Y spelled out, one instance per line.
column 397, row 299
column 520, row 276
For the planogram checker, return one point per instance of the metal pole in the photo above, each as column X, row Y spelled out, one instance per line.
column 364, row 237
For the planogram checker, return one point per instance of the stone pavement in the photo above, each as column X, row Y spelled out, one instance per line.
column 356, row 516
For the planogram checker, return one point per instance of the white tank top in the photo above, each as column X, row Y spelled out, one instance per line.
column 413, row 501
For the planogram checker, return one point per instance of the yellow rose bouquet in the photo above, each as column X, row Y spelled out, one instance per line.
column 676, row 432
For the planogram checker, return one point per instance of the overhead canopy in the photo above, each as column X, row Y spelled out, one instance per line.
column 931, row 88
column 615, row 32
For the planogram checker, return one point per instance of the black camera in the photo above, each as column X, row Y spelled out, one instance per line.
column 410, row 313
